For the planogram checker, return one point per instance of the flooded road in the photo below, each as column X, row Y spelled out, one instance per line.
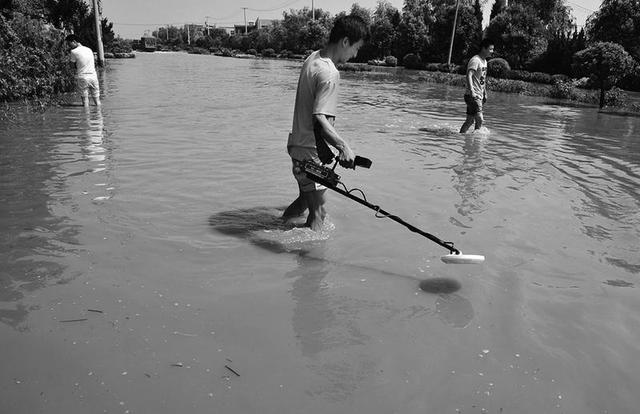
column 143, row 267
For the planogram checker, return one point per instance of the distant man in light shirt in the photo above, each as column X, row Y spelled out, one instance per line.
column 314, row 114
column 476, row 93
column 86, row 76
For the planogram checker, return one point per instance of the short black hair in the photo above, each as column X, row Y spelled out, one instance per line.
column 486, row 42
column 71, row 38
column 351, row 27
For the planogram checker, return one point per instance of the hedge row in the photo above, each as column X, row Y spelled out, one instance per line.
column 32, row 60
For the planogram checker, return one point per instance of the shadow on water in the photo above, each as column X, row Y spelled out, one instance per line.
column 252, row 224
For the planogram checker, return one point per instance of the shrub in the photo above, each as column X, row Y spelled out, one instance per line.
column 540, row 77
column 536, row 77
column 559, row 77
column 563, row 90
column 391, row 61
column 412, row 61
column 33, row 60
column 432, row 67
column 616, row 97
column 285, row 53
column 354, row 67
column 498, row 68
column 446, row 67
column 268, row 53
column 119, row 45
column 252, row 52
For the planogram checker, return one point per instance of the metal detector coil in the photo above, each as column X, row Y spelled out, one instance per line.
column 328, row 177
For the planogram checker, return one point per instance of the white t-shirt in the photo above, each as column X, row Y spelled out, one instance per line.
column 317, row 94
column 479, row 77
column 83, row 58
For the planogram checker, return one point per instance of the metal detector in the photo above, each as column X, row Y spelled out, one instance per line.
column 330, row 179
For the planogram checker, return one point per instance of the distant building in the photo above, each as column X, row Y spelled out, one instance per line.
column 240, row 28
column 196, row 31
column 261, row 23
column 230, row 30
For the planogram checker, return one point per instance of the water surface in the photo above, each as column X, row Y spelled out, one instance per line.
column 151, row 223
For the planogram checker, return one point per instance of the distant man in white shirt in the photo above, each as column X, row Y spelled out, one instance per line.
column 476, row 93
column 86, row 76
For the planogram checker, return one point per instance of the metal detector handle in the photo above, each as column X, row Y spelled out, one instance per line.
column 361, row 162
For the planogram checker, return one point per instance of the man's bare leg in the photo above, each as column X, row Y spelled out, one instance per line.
column 296, row 208
column 467, row 123
column 315, row 201
column 479, row 119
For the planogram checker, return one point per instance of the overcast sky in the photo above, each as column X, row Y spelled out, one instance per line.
column 131, row 18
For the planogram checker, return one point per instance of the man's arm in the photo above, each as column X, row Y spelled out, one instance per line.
column 470, row 74
column 346, row 156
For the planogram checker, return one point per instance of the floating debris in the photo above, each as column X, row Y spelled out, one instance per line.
column 74, row 320
column 183, row 334
column 231, row 369
column 94, row 310
column 178, row 364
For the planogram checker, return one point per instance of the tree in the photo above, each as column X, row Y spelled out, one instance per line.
column 519, row 35
column 605, row 63
column 301, row 32
column 467, row 37
column 617, row 21
column 384, row 27
column 413, row 30
column 497, row 8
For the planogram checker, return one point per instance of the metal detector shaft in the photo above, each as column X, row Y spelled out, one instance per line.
column 377, row 209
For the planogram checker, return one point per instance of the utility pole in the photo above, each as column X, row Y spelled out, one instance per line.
column 453, row 32
column 246, row 31
column 206, row 23
column 313, row 11
column 96, row 16
column 188, row 33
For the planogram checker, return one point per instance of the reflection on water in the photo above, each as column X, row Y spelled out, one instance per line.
column 474, row 178
column 37, row 166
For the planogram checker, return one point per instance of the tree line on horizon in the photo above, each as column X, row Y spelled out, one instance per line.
column 530, row 35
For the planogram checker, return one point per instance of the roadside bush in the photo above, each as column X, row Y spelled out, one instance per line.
column 391, row 61
column 448, row 68
column 536, row 77
column 285, row 53
column 616, row 97
column 412, row 61
column 498, row 68
column 559, row 77
column 540, row 77
column 268, row 53
column 510, row 86
column 354, row 67
column 432, row 67
column 33, row 60
column 564, row 90
column 119, row 45
column 252, row 52
column 226, row 52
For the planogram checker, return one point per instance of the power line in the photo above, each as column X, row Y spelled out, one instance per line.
column 282, row 6
column 580, row 7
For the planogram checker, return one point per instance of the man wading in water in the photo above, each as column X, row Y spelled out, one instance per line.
column 314, row 115
column 86, row 76
column 476, row 94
